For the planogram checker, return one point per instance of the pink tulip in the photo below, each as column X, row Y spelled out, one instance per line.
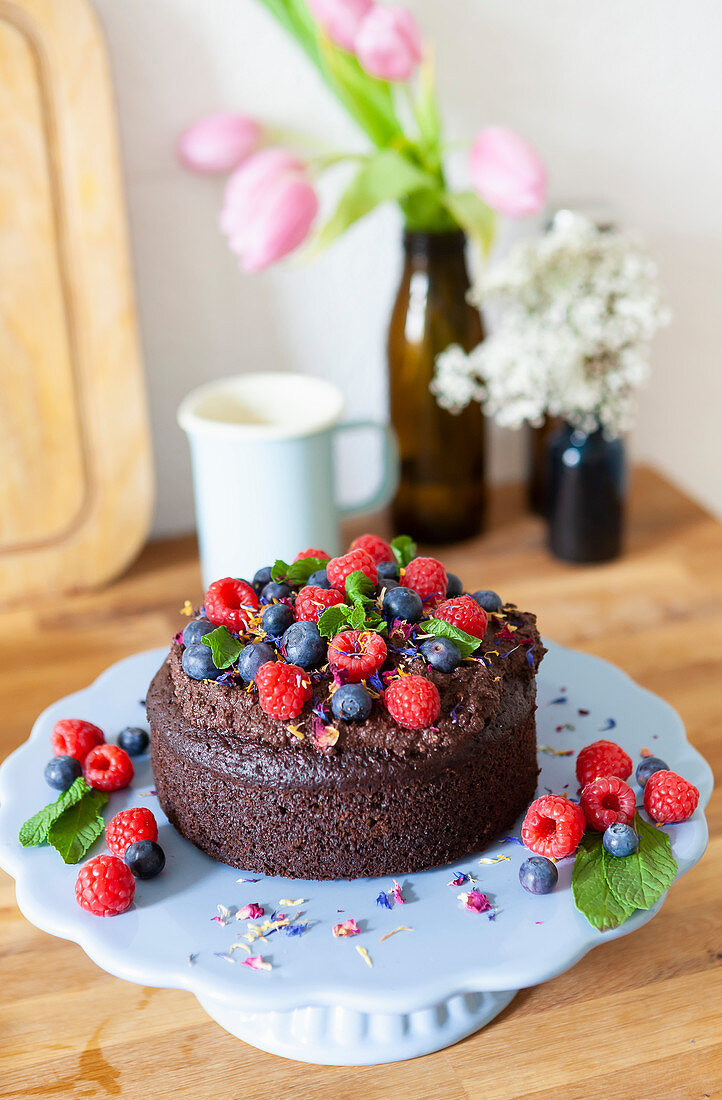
column 388, row 43
column 507, row 172
column 218, row 143
column 268, row 208
column 340, row 18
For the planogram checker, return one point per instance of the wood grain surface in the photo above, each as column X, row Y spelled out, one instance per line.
column 638, row 1017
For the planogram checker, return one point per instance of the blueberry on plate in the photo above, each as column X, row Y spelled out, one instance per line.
column 620, row 840
column 454, row 587
column 490, row 601
column 442, row 654
column 197, row 661
column 135, row 740
column 275, row 590
column 319, row 579
column 145, row 858
column 304, row 646
column 387, row 571
column 252, row 657
column 196, row 630
column 648, row 767
column 403, row 603
column 276, row 618
column 352, row 703
column 62, row 771
column 261, row 578
column 538, row 875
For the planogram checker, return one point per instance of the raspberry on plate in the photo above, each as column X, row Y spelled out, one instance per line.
column 427, row 577
column 311, row 553
column 358, row 653
column 108, row 768
column 376, row 548
column 669, row 797
column 553, row 826
column 283, row 690
column 230, row 602
column 602, row 758
column 608, row 800
column 105, row 886
column 312, row 601
column 465, row 613
column 413, row 702
column 127, row 827
column 338, row 569
column 75, row 737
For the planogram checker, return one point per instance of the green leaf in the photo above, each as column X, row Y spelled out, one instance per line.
column 639, row 880
column 590, row 889
column 359, row 587
column 298, row 572
column 333, row 619
column 357, row 618
column 474, row 216
column 78, row 827
column 224, row 647
column 467, row 643
column 404, row 549
column 368, row 100
column 426, row 109
column 35, row 829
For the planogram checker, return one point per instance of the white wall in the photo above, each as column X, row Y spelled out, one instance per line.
column 623, row 100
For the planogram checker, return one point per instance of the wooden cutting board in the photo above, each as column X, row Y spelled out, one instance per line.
column 75, row 465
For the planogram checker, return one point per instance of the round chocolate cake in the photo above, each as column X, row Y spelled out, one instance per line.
column 387, row 729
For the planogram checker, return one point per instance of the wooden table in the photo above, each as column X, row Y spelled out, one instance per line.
column 640, row 1017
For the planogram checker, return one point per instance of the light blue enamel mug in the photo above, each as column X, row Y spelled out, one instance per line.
column 264, row 469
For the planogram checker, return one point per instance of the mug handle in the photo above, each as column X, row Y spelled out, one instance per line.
column 390, row 477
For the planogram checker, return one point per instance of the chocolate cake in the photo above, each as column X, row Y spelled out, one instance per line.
column 321, row 796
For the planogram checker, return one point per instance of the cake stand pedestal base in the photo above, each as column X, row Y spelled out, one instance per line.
column 343, row 1037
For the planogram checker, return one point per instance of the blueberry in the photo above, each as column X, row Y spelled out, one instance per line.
column 489, row 600
column 648, row 767
column 442, row 654
column 538, row 875
column 145, row 858
column 276, row 618
column 351, row 702
column 386, row 584
column 320, row 579
column 134, row 740
column 388, row 570
column 403, row 603
column 252, row 657
column 198, row 663
column 454, row 586
column 620, row 840
column 275, row 590
column 195, row 631
column 261, row 578
column 304, row 646
column 62, row 771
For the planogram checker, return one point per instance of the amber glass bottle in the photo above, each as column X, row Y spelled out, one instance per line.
column 441, row 489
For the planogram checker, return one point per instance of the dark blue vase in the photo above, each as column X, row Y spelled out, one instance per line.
column 586, row 490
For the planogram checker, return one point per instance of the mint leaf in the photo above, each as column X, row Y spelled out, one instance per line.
column 359, row 587
column 639, row 880
column 467, row 643
column 404, row 549
column 298, row 572
column 357, row 618
column 224, row 647
column 78, row 827
column 35, row 829
column 333, row 619
column 590, row 890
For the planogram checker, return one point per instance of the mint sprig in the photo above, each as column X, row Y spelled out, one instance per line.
column 298, row 572
column 35, row 829
column 225, row 648
column 359, row 587
column 404, row 550
column 467, row 643
column 333, row 619
column 590, row 889
column 360, row 613
column 71, row 824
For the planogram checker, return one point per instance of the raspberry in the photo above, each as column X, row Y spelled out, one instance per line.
column 669, row 797
column 413, row 701
column 108, row 768
column 127, row 827
column 602, row 758
column 338, row 569
column 75, row 737
column 311, row 553
column 427, row 577
column 465, row 613
column 282, row 690
column 312, row 601
column 553, row 826
column 229, row 602
column 358, row 653
column 105, row 886
column 376, row 548
column 607, row 800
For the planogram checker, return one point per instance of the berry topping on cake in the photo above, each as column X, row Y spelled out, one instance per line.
column 602, row 758
column 553, row 826
column 620, row 840
column 283, row 690
column 127, row 827
column 230, row 602
column 145, row 859
column 320, row 555
column 319, row 579
column 427, row 577
column 108, row 768
column 442, row 654
column 454, row 586
column 490, row 601
column 276, row 590
column 376, row 548
column 312, row 601
column 607, row 800
column 276, row 618
column 196, row 630
column 134, row 740
column 357, row 654
column 261, row 578
column 303, row 645
column 105, row 886
column 352, row 703
column 669, row 797
column 413, row 701
column 75, row 737
column 387, row 571
column 648, row 767
column 62, row 771
column 403, row 603
column 464, row 613
column 538, row 875
column 198, row 663
column 338, row 569
column 252, row 657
